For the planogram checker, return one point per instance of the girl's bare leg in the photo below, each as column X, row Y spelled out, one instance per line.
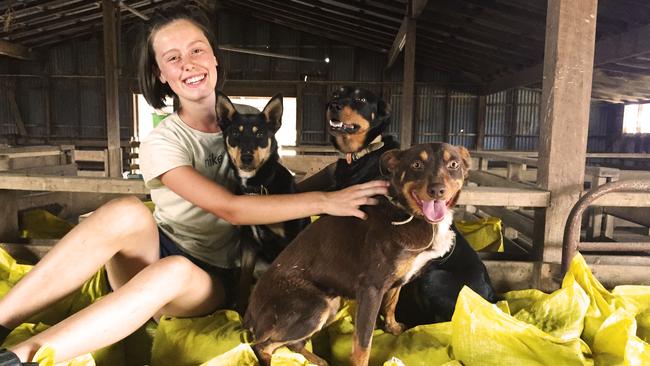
column 171, row 286
column 121, row 234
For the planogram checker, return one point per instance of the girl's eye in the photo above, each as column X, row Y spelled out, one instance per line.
column 417, row 165
column 173, row 59
column 197, row 51
column 453, row 165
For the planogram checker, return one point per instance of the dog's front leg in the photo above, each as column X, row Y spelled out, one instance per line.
column 388, row 311
column 368, row 304
column 248, row 259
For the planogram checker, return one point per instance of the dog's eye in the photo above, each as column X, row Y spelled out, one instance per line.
column 362, row 100
column 453, row 165
column 417, row 165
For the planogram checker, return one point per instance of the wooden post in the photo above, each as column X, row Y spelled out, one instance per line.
column 566, row 92
column 9, row 214
column 480, row 123
column 300, row 108
column 111, row 85
column 408, row 87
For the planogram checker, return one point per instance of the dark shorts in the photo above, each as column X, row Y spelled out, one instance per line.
column 228, row 277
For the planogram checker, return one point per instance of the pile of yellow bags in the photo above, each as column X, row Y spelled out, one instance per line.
column 580, row 324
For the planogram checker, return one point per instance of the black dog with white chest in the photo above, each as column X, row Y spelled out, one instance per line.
column 253, row 151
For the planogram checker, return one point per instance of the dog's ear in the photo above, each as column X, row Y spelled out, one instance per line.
column 383, row 110
column 388, row 161
column 273, row 113
column 225, row 110
column 467, row 160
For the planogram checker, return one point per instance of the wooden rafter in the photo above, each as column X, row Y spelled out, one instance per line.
column 14, row 50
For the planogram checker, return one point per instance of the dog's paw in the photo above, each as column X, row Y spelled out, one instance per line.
column 394, row 328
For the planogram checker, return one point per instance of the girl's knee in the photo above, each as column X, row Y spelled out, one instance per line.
column 126, row 212
column 177, row 268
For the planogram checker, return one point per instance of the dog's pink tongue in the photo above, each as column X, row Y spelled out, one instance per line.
column 434, row 210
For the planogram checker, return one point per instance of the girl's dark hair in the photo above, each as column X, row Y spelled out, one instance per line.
column 152, row 89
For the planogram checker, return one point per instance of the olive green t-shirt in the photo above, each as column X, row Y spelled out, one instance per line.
column 196, row 231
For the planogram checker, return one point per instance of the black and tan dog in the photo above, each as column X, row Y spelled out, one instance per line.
column 367, row 260
column 356, row 119
column 253, row 151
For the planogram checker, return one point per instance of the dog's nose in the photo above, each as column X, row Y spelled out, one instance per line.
column 247, row 158
column 334, row 106
column 436, row 190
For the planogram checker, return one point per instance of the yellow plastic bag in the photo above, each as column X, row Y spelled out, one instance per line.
column 602, row 303
column 193, row 341
column 640, row 295
column 241, row 355
column 484, row 234
column 482, row 334
column 41, row 224
column 560, row 314
column 423, row 345
column 616, row 342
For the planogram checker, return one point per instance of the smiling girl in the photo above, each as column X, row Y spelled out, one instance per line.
column 180, row 261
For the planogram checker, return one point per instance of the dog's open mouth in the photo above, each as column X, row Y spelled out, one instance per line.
column 434, row 210
column 343, row 127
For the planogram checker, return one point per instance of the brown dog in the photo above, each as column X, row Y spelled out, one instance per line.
column 367, row 260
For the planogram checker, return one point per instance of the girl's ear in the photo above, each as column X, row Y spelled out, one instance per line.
column 162, row 78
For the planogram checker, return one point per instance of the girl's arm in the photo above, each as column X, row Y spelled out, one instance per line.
column 252, row 210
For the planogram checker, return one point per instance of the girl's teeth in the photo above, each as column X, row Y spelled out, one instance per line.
column 194, row 79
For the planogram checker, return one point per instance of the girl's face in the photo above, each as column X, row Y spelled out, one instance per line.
column 186, row 60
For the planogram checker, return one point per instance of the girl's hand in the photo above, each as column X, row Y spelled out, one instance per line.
column 347, row 201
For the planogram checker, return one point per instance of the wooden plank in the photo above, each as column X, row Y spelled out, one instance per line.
column 497, row 156
column 14, row 50
column 90, row 155
column 500, row 196
column 112, row 88
column 484, row 178
column 566, row 92
column 640, row 215
column 512, row 219
column 72, row 184
column 408, row 88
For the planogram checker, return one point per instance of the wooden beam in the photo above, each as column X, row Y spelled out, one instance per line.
column 112, row 88
column 71, row 184
column 416, row 7
column 14, row 50
column 408, row 87
column 566, row 92
column 398, row 43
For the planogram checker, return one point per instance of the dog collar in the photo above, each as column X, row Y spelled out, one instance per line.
column 263, row 191
column 375, row 145
column 447, row 255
